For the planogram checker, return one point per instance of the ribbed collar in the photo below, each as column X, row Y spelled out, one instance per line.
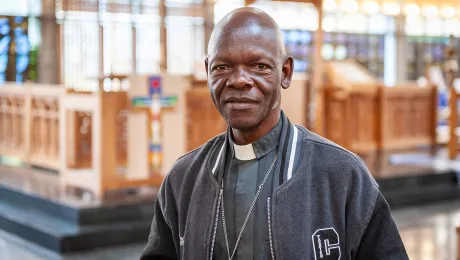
column 259, row 148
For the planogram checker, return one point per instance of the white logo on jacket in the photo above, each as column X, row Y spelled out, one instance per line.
column 326, row 244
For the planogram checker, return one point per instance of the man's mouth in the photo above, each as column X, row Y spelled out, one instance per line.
column 239, row 100
column 239, row 103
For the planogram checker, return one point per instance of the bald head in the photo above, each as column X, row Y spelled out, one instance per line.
column 255, row 23
column 247, row 67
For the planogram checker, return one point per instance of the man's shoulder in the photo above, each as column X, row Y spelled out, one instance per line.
column 321, row 145
column 335, row 159
column 182, row 164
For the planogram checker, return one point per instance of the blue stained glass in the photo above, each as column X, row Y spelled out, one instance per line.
column 300, row 65
column 18, row 31
column 5, row 40
column 284, row 35
column 305, row 37
column 21, row 63
column 341, row 38
column 4, row 44
column 3, row 62
column 22, row 45
column 19, row 77
column 4, row 26
column 18, row 19
column 22, row 49
column 293, row 36
column 327, row 37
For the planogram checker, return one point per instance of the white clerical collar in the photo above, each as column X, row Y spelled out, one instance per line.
column 244, row 152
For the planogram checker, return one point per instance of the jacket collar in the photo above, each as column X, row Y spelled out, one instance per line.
column 286, row 144
column 257, row 149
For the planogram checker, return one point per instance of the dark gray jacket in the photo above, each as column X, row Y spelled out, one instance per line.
column 329, row 209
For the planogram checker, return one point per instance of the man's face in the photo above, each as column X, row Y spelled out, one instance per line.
column 245, row 71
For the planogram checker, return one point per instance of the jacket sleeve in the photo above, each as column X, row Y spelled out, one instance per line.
column 381, row 240
column 161, row 245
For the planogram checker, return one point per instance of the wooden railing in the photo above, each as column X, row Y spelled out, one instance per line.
column 458, row 242
column 203, row 119
column 94, row 143
column 408, row 117
column 12, row 122
column 29, row 123
column 83, row 136
column 351, row 117
column 380, row 118
column 453, row 123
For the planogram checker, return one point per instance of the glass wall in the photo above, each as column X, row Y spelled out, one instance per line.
column 348, row 34
column 185, row 43
column 427, row 38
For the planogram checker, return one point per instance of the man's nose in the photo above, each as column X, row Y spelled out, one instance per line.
column 240, row 78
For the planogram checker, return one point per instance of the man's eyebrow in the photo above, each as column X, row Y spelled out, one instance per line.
column 260, row 57
column 219, row 59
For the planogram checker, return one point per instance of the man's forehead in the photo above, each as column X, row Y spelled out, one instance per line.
column 250, row 37
column 246, row 29
column 249, row 25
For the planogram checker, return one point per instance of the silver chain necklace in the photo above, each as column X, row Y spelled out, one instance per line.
column 230, row 257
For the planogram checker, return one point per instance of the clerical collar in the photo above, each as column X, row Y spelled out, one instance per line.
column 259, row 148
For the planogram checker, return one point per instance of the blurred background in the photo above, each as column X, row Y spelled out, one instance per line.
column 98, row 98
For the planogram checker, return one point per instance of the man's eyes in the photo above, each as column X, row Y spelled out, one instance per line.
column 221, row 67
column 260, row 66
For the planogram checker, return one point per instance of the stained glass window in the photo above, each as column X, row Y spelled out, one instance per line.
column 5, row 40
column 15, row 49
column 22, row 50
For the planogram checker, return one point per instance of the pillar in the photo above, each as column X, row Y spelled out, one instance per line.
column 163, row 37
column 208, row 7
column 401, row 49
column 48, row 55
column 315, row 106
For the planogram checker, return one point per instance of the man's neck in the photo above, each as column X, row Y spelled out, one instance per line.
column 250, row 136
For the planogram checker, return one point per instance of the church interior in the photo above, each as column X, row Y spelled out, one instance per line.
column 98, row 98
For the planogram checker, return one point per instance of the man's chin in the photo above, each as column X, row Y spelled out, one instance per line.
column 242, row 124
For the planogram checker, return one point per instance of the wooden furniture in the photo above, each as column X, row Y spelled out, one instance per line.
column 453, row 123
column 96, row 141
column 351, row 107
column 29, row 123
column 364, row 116
column 107, row 143
column 458, row 243
column 203, row 119
column 408, row 117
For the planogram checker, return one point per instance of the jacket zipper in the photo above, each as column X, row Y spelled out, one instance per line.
column 216, row 221
column 270, row 229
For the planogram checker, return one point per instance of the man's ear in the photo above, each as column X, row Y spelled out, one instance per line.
column 206, row 65
column 288, row 70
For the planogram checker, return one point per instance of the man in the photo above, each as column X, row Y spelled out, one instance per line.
column 266, row 189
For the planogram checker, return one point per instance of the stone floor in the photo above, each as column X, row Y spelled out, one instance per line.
column 428, row 233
